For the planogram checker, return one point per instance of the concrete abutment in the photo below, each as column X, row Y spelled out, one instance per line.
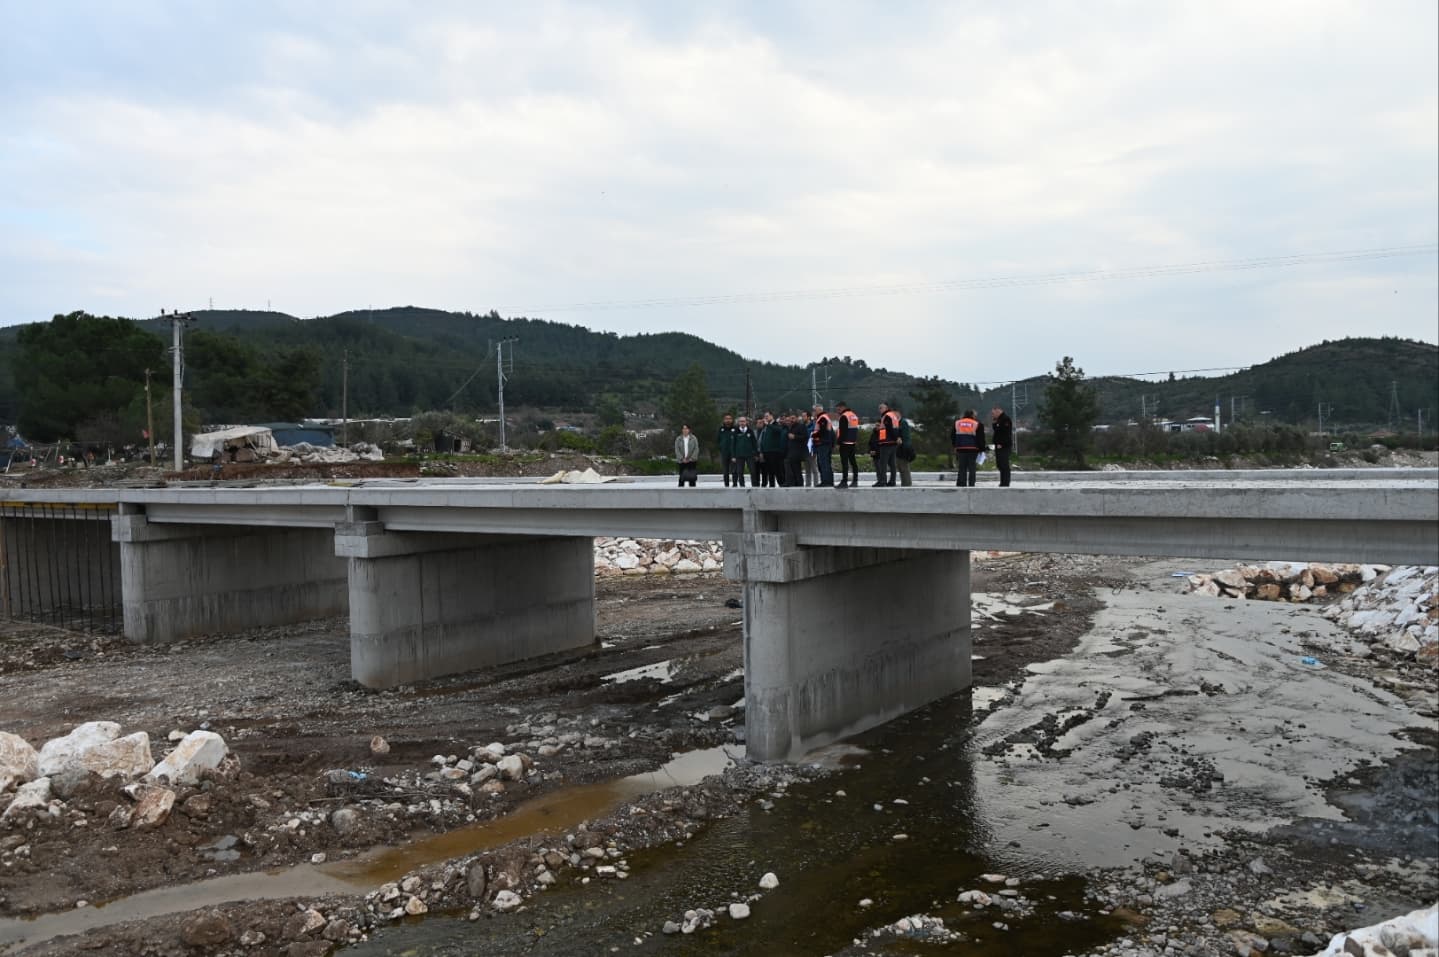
column 178, row 581
column 840, row 640
column 426, row 604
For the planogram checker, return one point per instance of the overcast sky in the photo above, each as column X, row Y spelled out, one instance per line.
column 845, row 177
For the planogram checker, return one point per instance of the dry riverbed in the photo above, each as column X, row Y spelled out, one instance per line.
column 1102, row 715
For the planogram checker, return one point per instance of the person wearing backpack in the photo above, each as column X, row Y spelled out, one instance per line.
column 968, row 440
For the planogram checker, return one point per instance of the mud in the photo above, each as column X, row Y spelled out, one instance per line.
column 1075, row 769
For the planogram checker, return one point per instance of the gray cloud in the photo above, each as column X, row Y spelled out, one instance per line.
column 518, row 156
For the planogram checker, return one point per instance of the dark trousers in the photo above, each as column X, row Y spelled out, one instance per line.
column 794, row 470
column 689, row 472
column 1001, row 462
column 773, row 469
column 725, row 461
column 968, row 465
column 847, row 463
column 738, row 467
column 887, row 467
column 823, row 459
column 755, row 465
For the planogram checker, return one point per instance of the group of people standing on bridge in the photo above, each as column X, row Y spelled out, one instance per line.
column 797, row 449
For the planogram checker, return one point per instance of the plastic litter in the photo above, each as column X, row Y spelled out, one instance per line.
column 1309, row 660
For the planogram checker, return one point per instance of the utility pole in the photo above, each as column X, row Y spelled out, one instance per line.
column 345, row 398
column 1323, row 411
column 1016, row 403
column 748, row 395
column 1216, row 414
column 149, row 418
column 1394, row 413
column 813, row 388
column 177, row 354
column 1419, row 418
column 500, row 379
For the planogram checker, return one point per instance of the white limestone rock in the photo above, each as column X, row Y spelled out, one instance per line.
column 506, row 901
column 769, row 881
column 60, row 753
column 19, row 762
column 34, row 796
column 200, row 751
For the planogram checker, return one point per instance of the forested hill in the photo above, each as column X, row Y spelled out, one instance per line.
column 406, row 359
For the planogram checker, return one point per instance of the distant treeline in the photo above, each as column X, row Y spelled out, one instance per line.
column 81, row 374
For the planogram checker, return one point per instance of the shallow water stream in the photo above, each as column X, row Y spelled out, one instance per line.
column 897, row 825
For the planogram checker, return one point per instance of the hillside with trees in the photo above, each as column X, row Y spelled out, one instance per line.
column 247, row 366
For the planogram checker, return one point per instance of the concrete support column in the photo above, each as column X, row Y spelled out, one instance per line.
column 839, row 640
column 425, row 604
column 178, row 581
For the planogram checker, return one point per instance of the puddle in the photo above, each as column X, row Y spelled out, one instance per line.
column 663, row 671
column 551, row 812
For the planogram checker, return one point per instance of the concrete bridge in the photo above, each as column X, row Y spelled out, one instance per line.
column 857, row 602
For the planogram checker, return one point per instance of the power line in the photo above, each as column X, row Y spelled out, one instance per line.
column 997, row 282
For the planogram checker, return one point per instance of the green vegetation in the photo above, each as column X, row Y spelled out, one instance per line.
column 1068, row 416
column 265, row 366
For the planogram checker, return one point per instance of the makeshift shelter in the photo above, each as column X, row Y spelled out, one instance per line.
column 243, row 443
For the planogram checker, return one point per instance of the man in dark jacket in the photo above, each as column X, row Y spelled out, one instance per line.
column 795, row 450
column 725, row 443
column 968, row 440
column 846, row 439
column 887, row 428
column 771, row 450
column 822, row 439
column 742, row 452
column 1003, row 436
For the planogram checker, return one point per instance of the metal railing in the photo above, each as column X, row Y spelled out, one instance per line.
column 58, row 565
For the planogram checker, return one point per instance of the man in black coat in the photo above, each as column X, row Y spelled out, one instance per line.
column 1002, row 434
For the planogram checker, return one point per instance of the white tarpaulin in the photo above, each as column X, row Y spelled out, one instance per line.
column 204, row 445
column 574, row 477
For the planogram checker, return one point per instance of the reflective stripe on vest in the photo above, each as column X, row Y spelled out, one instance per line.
column 889, row 422
column 966, row 430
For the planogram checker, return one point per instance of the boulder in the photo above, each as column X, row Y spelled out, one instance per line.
column 200, row 751
column 19, row 762
column 65, row 751
column 1232, row 579
column 1300, row 592
column 34, row 796
column 1268, row 592
column 506, row 900
column 511, row 767
column 152, row 806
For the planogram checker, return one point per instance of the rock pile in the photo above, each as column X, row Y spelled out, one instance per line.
column 649, row 556
column 45, row 779
column 1285, row 581
column 308, row 454
column 1396, row 608
column 1399, row 611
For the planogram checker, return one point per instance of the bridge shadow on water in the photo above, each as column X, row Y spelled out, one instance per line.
column 898, row 825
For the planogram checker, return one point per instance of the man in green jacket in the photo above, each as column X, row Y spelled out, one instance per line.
column 725, row 443
column 744, row 447
column 771, row 449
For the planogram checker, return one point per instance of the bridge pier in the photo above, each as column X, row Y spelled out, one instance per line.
column 838, row 640
column 425, row 604
column 178, row 581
